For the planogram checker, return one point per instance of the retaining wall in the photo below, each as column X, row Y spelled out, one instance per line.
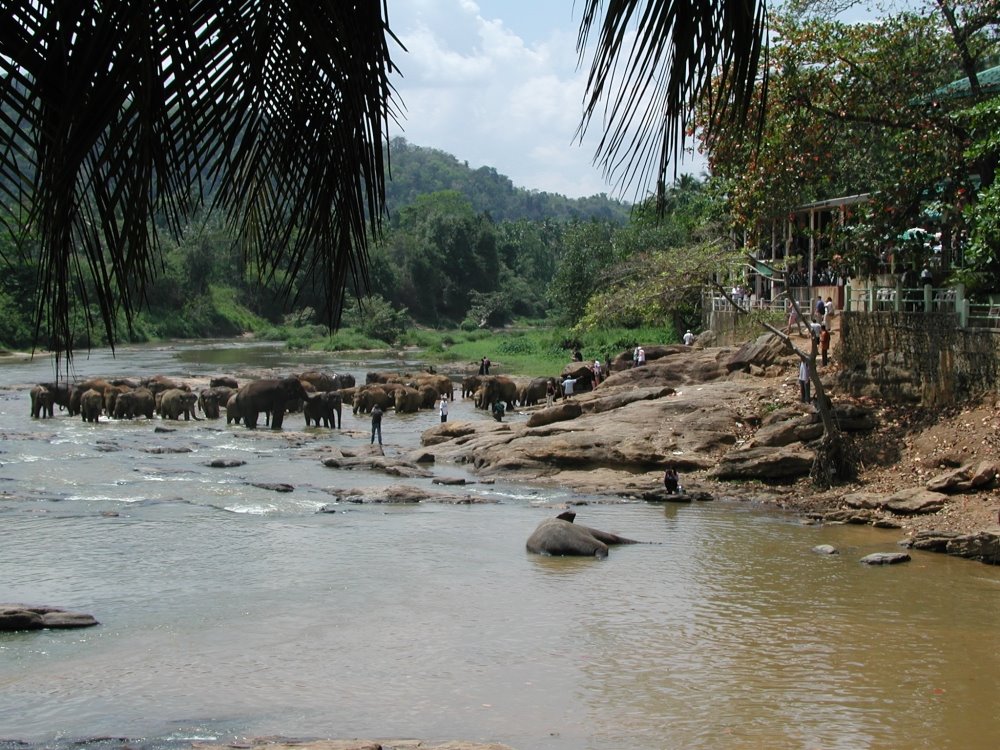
column 920, row 357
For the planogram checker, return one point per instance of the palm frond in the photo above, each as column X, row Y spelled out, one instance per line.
column 116, row 114
column 653, row 61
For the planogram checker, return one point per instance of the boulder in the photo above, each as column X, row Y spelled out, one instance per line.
column 376, row 462
column 825, row 549
column 400, row 494
column 965, row 478
column 15, row 617
column 273, row 486
column 620, row 398
column 983, row 545
column 689, row 430
column 798, row 430
column 885, row 558
column 224, row 463
column 765, row 350
column 915, row 501
column 764, row 463
column 866, row 500
column 561, row 412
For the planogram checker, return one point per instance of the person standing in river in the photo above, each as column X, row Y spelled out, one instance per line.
column 443, row 408
column 377, row 424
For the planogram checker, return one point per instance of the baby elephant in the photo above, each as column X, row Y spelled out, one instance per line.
column 176, row 402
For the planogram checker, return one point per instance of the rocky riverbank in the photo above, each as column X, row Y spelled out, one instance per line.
column 729, row 420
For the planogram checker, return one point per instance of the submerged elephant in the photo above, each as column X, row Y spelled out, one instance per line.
column 267, row 396
column 560, row 536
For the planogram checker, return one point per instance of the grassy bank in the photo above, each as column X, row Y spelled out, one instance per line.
column 530, row 351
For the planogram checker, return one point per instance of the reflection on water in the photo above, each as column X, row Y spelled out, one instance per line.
column 231, row 610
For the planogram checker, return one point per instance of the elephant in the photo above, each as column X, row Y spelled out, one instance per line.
column 378, row 378
column 470, row 384
column 211, row 400
column 268, row 395
column 428, row 396
column 132, row 404
column 224, row 381
column 294, row 405
column 174, row 402
column 496, row 388
column 442, row 384
column 367, row 396
column 325, row 407
column 581, row 373
column 232, row 411
column 534, row 391
column 407, row 400
column 61, row 393
column 161, row 383
column 76, row 395
column 111, row 394
column 321, row 381
column 91, row 403
column 42, row 402
column 560, row 536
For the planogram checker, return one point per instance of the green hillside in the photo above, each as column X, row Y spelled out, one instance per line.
column 417, row 171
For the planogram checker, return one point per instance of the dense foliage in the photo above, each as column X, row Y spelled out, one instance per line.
column 860, row 109
column 445, row 259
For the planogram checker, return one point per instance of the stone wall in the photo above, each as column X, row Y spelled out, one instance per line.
column 917, row 357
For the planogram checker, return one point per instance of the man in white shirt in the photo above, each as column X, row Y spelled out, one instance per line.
column 688, row 338
column 567, row 386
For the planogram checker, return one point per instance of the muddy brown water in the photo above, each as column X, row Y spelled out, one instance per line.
column 228, row 610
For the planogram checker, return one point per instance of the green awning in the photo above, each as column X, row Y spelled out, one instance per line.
column 989, row 82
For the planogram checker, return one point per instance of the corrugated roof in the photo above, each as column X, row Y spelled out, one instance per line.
column 989, row 82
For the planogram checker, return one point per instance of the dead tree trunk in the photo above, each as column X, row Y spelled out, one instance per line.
column 836, row 459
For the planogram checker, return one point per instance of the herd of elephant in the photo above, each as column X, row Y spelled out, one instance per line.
column 319, row 395
column 316, row 394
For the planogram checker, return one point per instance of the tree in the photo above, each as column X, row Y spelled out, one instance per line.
column 112, row 113
column 116, row 113
column 680, row 54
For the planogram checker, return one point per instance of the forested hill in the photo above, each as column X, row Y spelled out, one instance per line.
column 417, row 171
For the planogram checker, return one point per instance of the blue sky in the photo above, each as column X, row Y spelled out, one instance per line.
column 496, row 83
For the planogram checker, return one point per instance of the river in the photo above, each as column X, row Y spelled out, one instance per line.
column 229, row 611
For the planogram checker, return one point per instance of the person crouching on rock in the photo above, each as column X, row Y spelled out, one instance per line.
column 670, row 480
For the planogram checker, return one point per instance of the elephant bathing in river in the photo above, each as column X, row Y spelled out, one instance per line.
column 91, row 404
column 560, row 536
column 42, row 402
column 324, row 407
column 175, row 402
column 268, row 396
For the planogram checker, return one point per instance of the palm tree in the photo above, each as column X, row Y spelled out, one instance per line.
column 654, row 61
column 118, row 118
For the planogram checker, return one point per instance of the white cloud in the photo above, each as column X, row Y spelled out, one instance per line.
column 478, row 90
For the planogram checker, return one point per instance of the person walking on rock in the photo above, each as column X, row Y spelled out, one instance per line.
column 804, row 382
column 824, row 344
column 377, row 424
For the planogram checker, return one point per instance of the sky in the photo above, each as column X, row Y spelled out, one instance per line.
column 496, row 83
